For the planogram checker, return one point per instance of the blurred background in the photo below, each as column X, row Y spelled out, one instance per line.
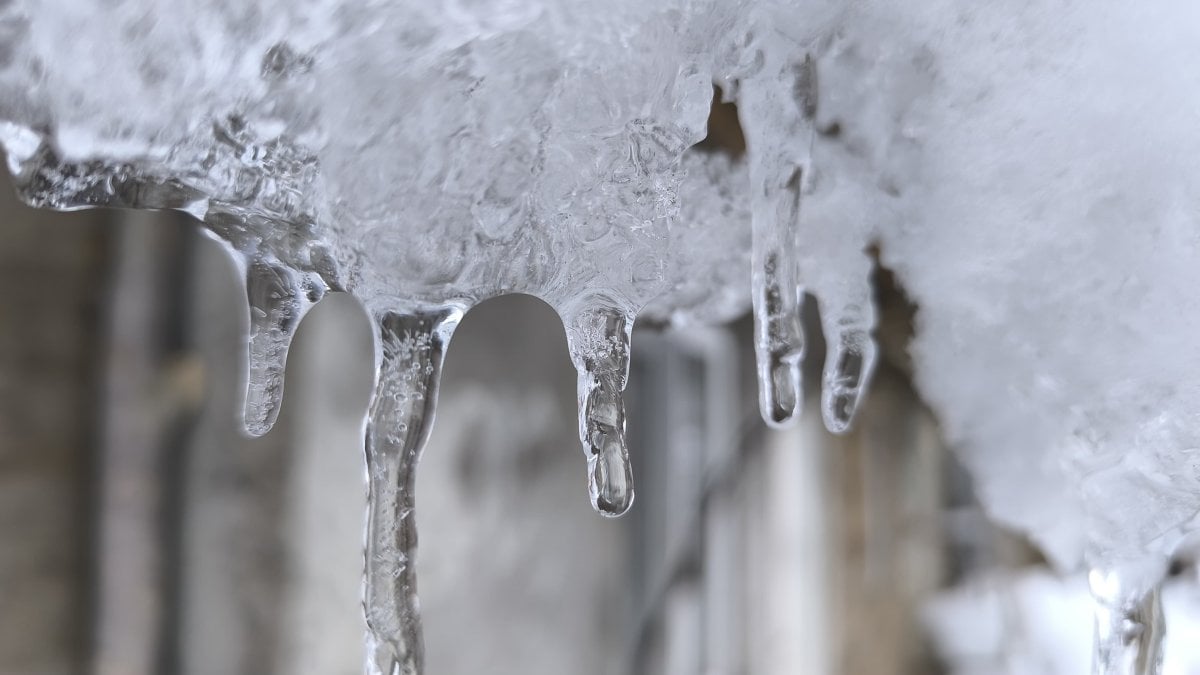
column 141, row 533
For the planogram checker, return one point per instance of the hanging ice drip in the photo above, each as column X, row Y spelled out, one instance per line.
column 1011, row 163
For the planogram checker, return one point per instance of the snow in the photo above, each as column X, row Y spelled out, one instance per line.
column 1027, row 169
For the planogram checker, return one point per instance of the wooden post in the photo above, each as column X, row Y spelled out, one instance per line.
column 53, row 270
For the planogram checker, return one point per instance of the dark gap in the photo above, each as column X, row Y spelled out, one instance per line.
column 724, row 128
column 896, row 314
column 832, row 130
column 1178, row 566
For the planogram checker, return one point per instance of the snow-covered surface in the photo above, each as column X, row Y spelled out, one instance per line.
column 1028, row 169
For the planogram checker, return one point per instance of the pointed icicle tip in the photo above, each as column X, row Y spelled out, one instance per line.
column 278, row 301
column 598, row 336
column 849, row 363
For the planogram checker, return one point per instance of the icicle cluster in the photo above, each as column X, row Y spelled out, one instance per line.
column 1028, row 170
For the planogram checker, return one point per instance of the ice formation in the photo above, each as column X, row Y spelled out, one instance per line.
column 1032, row 621
column 1026, row 168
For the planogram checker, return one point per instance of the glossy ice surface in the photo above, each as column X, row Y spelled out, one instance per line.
column 1028, row 169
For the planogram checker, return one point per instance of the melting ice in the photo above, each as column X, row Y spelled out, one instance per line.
column 1028, row 170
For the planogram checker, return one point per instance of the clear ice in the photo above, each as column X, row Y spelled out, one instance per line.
column 410, row 347
column 598, row 336
column 278, row 302
column 1027, row 171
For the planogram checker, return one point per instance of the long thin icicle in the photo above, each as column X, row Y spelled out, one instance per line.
column 410, row 351
column 1129, row 623
column 278, row 302
column 777, row 175
column 598, row 336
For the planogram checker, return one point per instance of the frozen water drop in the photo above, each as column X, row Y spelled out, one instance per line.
column 598, row 336
column 409, row 352
column 277, row 304
column 610, row 478
column 849, row 361
column 778, row 340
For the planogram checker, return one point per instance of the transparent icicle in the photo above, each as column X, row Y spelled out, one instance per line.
column 598, row 335
column 778, row 337
column 278, row 302
column 849, row 362
column 777, row 174
column 1129, row 623
column 409, row 354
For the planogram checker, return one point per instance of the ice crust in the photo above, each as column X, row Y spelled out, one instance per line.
column 1028, row 170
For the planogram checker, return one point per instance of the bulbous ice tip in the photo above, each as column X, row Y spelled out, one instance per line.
column 267, row 356
column 598, row 337
column 848, row 367
column 839, row 408
column 610, row 475
column 780, row 392
column 614, row 507
column 257, row 429
column 261, row 410
column 610, row 478
column 277, row 306
column 778, row 342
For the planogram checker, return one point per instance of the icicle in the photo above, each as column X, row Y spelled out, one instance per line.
column 780, row 133
column 1129, row 623
column 849, row 361
column 278, row 302
column 598, row 338
column 409, row 356
column 778, row 336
